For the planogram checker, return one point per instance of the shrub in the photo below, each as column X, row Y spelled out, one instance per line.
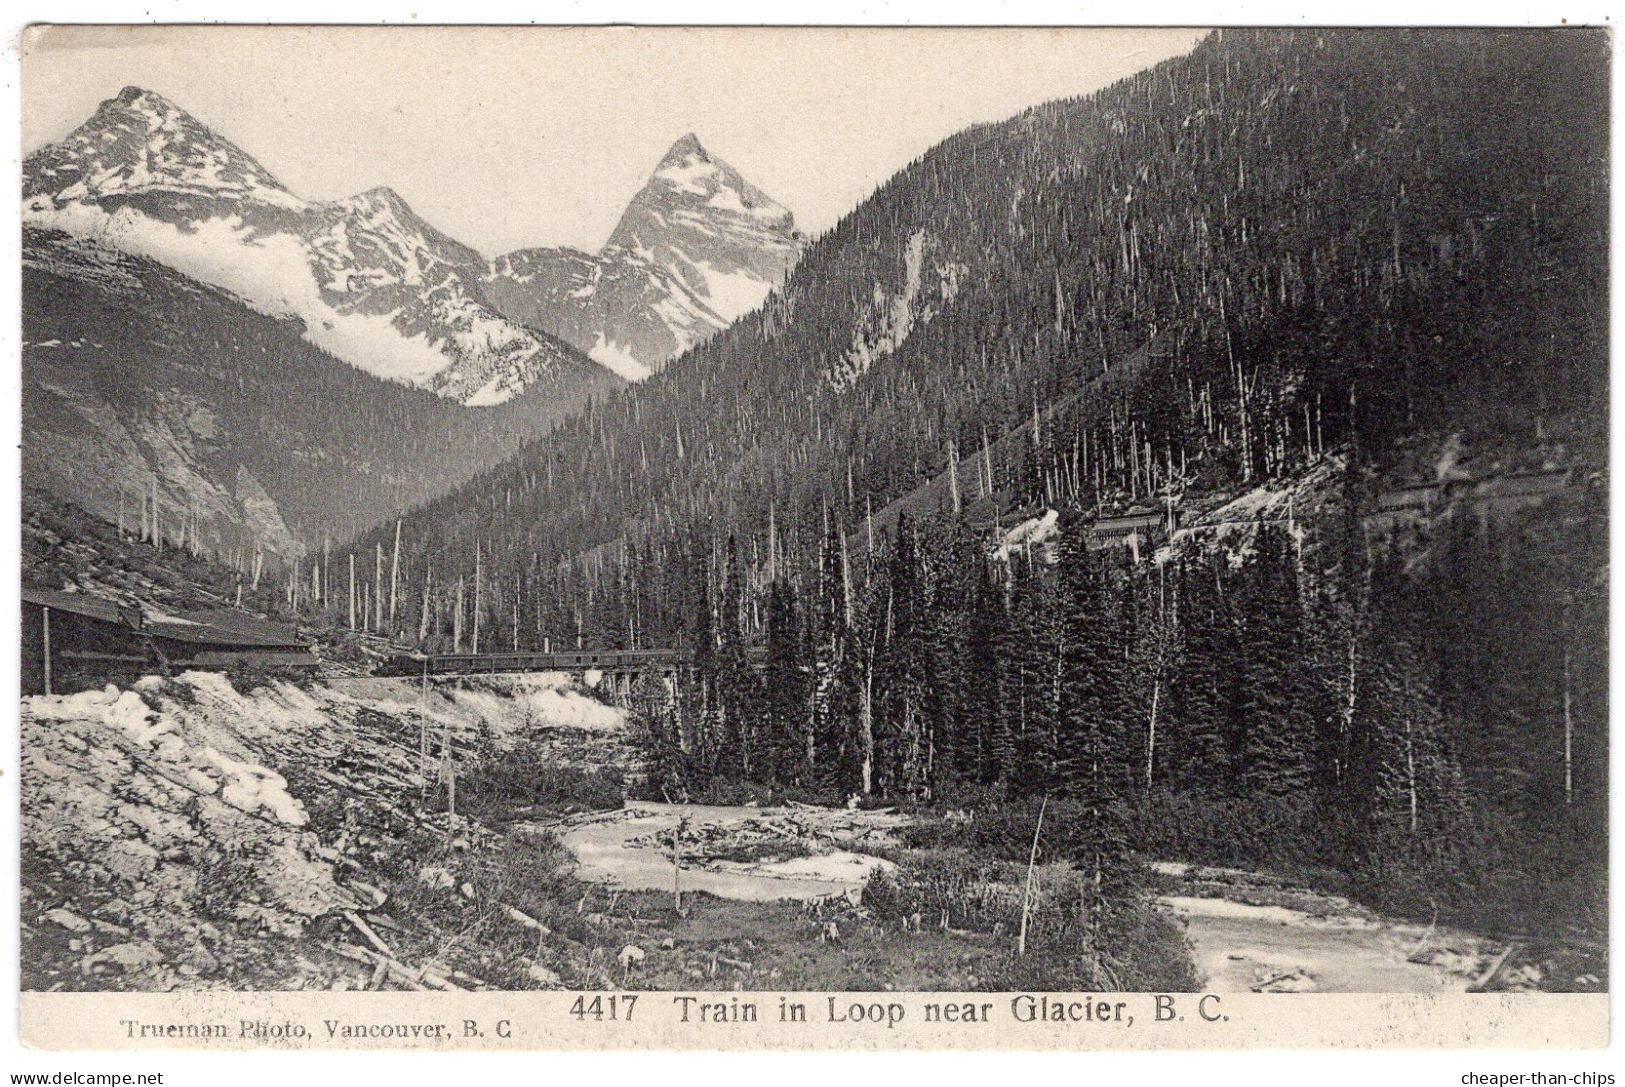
column 525, row 781
column 1225, row 830
column 1137, row 948
column 973, row 892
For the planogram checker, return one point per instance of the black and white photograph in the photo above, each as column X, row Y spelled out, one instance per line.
column 1091, row 521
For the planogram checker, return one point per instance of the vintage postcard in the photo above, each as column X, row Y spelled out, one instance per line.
column 715, row 538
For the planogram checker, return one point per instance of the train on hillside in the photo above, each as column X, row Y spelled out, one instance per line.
column 583, row 660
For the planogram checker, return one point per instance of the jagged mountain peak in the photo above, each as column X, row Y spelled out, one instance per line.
column 138, row 96
column 149, row 106
column 385, row 213
column 380, row 195
column 380, row 203
column 139, row 141
column 696, row 248
column 690, row 177
column 133, row 95
column 687, row 144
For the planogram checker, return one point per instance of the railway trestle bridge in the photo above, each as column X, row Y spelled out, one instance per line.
column 624, row 674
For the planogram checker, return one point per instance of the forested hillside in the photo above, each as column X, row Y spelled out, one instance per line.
column 1273, row 246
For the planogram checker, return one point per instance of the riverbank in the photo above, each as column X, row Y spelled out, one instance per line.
column 1257, row 932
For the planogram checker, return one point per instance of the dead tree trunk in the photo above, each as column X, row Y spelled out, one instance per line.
column 394, row 573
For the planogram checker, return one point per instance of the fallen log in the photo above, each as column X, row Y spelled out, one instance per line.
column 1262, row 985
column 1416, row 952
column 377, row 894
column 528, row 921
column 375, row 960
column 366, row 930
column 1494, row 968
column 424, row 977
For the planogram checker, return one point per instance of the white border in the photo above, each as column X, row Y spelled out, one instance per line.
column 667, row 1070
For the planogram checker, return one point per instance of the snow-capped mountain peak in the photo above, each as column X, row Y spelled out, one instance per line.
column 378, row 200
column 139, row 142
column 373, row 283
column 705, row 194
column 688, row 168
column 686, row 145
column 696, row 248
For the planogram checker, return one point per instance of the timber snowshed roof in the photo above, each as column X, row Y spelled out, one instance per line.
column 93, row 607
column 222, row 626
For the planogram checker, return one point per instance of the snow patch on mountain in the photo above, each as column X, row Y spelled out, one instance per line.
column 617, row 358
column 270, row 272
column 685, row 176
column 733, row 292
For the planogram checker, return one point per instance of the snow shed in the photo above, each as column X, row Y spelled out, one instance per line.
column 63, row 632
column 216, row 638
column 70, row 639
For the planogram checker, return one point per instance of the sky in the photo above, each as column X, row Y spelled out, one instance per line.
column 513, row 137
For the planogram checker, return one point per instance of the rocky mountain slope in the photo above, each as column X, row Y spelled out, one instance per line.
column 141, row 386
column 698, row 247
column 372, row 282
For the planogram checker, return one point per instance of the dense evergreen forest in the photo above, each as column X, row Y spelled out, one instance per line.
column 1436, row 735
column 1354, row 248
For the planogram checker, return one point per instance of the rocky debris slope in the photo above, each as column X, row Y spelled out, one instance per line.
column 183, row 834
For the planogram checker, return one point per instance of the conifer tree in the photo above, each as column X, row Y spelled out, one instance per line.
column 832, row 717
column 736, row 697
column 1093, row 767
column 1274, row 737
column 986, row 683
column 901, row 739
column 1196, row 744
column 700, row 715
column 785, row 740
